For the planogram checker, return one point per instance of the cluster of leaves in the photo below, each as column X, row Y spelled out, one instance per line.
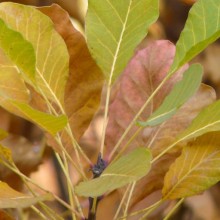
column 161, row 117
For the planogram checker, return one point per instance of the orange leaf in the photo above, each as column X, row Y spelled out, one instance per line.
column 83, row 90
column 196, row 169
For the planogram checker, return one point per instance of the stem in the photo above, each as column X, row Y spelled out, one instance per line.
column 69, row 184
column 166, row 150
column 80, row 171
column 129, row 198
column 39, row 212
column 174, row 209
column 137, row 116
column 121, row 203
column 126, row 145
column 14, row 168
column 93, row 204
column 76, row 146
column 108, row 92
column 155, row 135
column 154, row 206
column 151, row 210
column 50, row 212
column 47, row 209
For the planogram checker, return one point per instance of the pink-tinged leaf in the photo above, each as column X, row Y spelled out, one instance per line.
column 141, row 77
column 196, row 169
column 83, row 89
column 143, row 74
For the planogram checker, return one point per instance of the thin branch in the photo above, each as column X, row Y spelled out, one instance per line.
column 129, row 198
column 121, row 203
column 148, row 209
column 174, row 209
column 137, row 116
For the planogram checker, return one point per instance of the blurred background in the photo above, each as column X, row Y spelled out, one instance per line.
column 27, row 143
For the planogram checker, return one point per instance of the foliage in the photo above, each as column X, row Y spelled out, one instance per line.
column 161, row 124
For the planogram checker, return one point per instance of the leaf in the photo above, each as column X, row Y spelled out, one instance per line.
column 19, row 50
column 196, row 169
column 110, row 29
column 9, row 198
column 201, row 29
column 127, row 169
column 13, row 89
column 51, row 52
column 84, row 85
column 181, row 92
column 143, row 74
column 49, row 123
column 207, row 120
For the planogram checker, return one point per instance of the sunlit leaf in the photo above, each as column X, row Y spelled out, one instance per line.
column 125, row 170
column 201, row 29
column 207, row 120
column 84, row 85
column 51, row 52
column 9, row 198
column 196, row 169
column 19, row 50
column 181, row 92
column 49, row 123
column 111, row 27
column 12, row 89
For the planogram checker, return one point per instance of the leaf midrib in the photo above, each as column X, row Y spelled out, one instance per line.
column 193, row 168
column 51, row 91
column 119, row 43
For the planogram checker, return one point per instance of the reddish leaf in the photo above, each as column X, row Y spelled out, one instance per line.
column 142, row 75
column 5, row 216
column 83, row 90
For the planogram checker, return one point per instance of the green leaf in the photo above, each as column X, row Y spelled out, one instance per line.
column 201, row 29
column 195, row 170
column 52, row 58
column 11, row 89
column 49, row 123
column 114, row 28
column 181, row 92
column 127, row 169
column 9, row 198
column 207, row 120
column 19, row 50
